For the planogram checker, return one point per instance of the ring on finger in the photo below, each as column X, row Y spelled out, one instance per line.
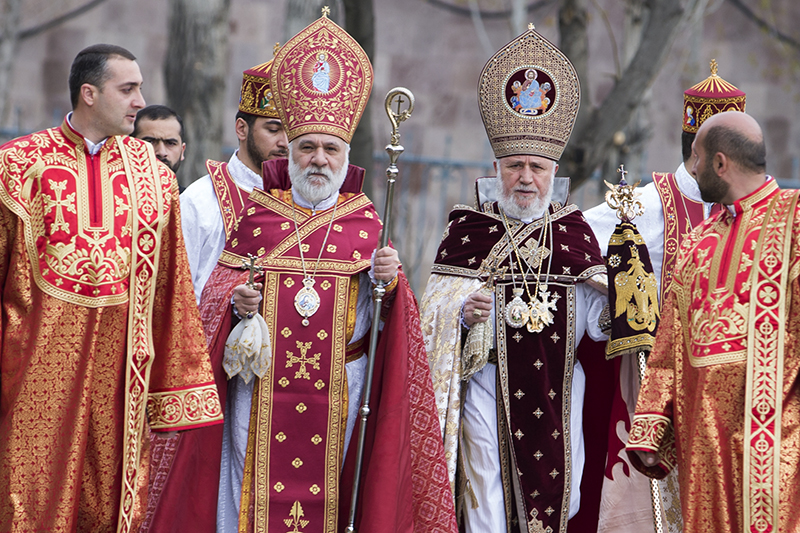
column 477, row 313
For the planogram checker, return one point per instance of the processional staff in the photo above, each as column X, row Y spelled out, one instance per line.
column 394, row 149
column 623, row 198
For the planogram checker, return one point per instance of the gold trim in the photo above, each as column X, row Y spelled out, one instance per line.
column 249, row 464
column 144, row 267
column 765, row 355
column 352, row 301
column 183, row 408
column 262, row 446
column 222, row 181
column 654, row 433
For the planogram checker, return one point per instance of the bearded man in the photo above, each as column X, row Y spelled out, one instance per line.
column 517, row 281
column 212, row 205
column 210, row 209
column 719, row 399
column 163, row 128
column 672, row 208
column 292, row 405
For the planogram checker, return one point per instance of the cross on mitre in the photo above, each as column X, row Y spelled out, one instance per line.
column 326, row 11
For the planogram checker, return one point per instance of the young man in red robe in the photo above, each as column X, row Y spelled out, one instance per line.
column 672, row 208
column 101, row 337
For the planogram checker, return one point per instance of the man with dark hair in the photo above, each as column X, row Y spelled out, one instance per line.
column 719, row 399
column 211, row 205
column 90, row 67
column 672, row 207
column 94, row 284
column 163, row 128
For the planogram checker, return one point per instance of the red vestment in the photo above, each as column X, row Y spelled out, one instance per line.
column 98, row 330
column 302, row 402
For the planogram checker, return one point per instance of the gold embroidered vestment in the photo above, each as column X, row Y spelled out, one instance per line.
column 100, row 331
column 719, row 398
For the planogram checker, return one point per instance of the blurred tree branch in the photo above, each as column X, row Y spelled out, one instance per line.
column 593, row 137
column 61, row 19
column 194, row 73
column 9, row 37
column 771, row 30
column 359, row 21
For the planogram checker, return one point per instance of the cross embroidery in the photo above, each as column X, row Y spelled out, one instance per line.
column 69, row 202
column 303, row 360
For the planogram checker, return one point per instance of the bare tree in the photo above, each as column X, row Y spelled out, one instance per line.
column 194, row 73
column 593, row 137
column 9, row 36
column 360, row 24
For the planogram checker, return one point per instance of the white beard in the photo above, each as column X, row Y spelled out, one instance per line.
column 514, row 210
column 312, row 192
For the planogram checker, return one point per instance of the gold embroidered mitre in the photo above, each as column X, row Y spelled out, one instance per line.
column 257, row 97
column 323, row 79
column 529, row 95
column 711, row 96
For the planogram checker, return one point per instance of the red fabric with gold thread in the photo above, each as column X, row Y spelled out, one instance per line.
column 323, row 79
column 711, row 96
column 695, row 402
column 293, row 475
column 229, row 195
column 681, row 214
column 299, row 443
column 97, row 326
column 257, row 96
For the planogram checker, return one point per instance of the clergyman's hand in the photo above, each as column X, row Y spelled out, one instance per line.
column 477, row 308
column 386, row 264
column 246, row 300
column 648, row 458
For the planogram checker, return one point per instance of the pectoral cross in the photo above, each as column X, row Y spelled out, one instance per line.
column 253, row 268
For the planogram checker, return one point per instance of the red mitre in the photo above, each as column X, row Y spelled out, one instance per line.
column 323, row 79
column 709, row 97
column 257, row 97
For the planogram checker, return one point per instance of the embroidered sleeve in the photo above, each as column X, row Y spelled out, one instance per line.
column 652, row 428
column 183, row 393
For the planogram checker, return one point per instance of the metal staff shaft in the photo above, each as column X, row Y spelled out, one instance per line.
column 655, row 490
column 394, row 150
